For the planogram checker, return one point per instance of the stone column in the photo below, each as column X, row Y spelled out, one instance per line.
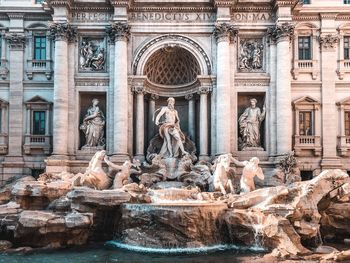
column 13, row 163
column 271, row 108
column 191, row 116
column 329, row 42
column 62, row 33
column 282, row 33
column 120, row 32
column 223, row 33
column 151, row 110
column 203, row 122
column 140, row 122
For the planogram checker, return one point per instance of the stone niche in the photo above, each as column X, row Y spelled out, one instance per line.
column 92, row 54
column 243, row 102
column 86, row 102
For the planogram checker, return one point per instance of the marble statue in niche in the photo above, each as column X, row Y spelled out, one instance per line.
column 93, row 126
column 92, row 55
column 251, row 54
column 170, row 131
column 249, row 126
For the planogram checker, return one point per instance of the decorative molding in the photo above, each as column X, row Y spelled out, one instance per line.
column 92, row 83
column 119, row 31
column 224, row 32
column 53, row 3
column 120, row 3
column 15, row 15
column 172, row 9
column 224, row 3
column 171, row 37
column 62, row 31
column 329, row 41
column 16, row 41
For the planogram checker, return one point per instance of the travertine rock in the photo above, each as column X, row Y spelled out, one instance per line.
column 282, row 218
column 5, row 190
column 171, row 225
column 44, row 228
column 38, row 194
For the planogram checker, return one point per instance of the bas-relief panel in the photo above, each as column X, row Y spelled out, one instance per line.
column 92, row 54
column 251, row 55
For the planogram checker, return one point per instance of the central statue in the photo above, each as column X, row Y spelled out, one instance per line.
column 170, row 132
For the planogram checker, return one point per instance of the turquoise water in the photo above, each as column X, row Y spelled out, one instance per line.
column 112, row 253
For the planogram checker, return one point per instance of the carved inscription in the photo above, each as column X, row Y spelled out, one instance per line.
column 253, row 17
column 167, row 16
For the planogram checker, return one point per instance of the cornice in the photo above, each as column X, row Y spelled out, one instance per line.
column 15, row 15
column 332, row 16
column 120, row 3
column 256, row 8
column 224, row 3
column 172, row 9
column 283, row 3
column 53, row 3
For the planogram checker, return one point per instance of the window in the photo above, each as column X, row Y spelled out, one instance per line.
column 39, row 48
column 347, row 47
column 304, row 48
column 39, row 1
column 347, row 123
column 346, row 1
column 39, row 122
column 305, row 123
column 306, row 1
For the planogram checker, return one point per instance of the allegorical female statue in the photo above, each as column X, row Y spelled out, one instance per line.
column 249, row 125
column 169, row 130
column 93, row 126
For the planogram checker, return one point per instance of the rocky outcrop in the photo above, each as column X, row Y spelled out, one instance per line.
column 36, row 195
column 5, row 190
column 172, row 225
column 48, row 229
column 285, row 219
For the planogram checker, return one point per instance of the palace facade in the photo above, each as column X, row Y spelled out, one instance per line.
column 212, row 56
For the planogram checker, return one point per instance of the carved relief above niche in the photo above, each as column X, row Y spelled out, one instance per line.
column 251, row 55
column 92, row 54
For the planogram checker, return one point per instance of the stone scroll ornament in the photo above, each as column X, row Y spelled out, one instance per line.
column 251, row 55
column 92, row 55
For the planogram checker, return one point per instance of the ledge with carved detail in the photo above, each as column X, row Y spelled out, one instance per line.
column 36, row 144
column 305, row 66
column 3, row 143
column 304, row 143
column 344, row 145
column 39, row 66
column 343, row 68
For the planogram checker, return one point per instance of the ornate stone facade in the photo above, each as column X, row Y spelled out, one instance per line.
column 212, row 57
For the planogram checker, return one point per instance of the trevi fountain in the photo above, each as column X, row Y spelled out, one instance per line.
column 174, row 203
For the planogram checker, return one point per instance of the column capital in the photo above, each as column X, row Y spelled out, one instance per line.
column 281, row 32
column 189, row 96
column 62, row 31
column 16, row 41
column 138, row 89
column 118, row 31
column 154, row 96
column 204, row 90
column 329, row 42
column 224, row 32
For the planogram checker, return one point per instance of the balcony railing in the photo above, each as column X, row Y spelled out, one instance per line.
column 307, row 142
column 305, row 66
column 39, row 66
column 344, row 145
column 3, row 143
column 38, row 143
column 346, row 63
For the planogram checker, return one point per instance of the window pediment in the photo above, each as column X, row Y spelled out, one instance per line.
column 306, row 102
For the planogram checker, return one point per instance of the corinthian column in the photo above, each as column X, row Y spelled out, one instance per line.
column 61, row 33
column 119, row 32
column 203, row 122
column 223, row 33
column 191, row 116
column 329, row 42
column 151, row 110
column 140, row 122
column 282, row 33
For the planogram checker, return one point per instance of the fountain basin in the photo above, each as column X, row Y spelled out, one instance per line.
column 181, row 224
